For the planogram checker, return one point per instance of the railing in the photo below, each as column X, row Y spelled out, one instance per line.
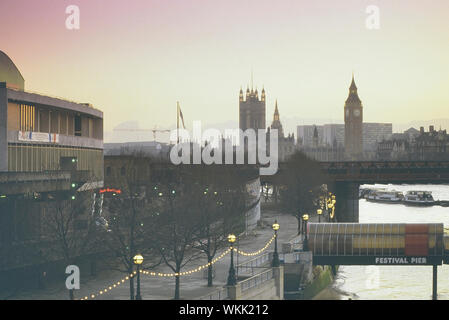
column 253, row 263
column 12, row 176
column 220, row 294
column 295, row 255
column 256, row 280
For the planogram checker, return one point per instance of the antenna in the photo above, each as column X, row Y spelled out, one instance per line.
column 251, row 79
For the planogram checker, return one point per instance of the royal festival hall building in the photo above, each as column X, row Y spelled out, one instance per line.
column 50, row 148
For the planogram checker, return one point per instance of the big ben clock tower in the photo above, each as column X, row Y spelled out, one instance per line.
column 353, row 124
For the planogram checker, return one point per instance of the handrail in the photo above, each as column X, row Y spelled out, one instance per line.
column 256, row 280
column 253, row 263
column 219, row 294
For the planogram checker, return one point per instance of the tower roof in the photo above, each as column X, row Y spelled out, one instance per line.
column 353, row 96
column 276, row 124
column 353, row 86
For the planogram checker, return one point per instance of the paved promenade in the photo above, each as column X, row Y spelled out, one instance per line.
column 192, row 286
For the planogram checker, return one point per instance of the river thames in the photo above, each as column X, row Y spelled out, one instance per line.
column 394, row 282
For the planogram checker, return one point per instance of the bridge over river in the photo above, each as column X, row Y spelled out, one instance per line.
column 345, row 178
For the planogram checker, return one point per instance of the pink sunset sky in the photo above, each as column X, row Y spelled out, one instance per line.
column 135, row 59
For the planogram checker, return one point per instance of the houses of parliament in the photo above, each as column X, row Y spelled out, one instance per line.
column 252, row 111
column 353, row 140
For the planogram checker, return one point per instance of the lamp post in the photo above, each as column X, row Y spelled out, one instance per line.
column 333, row 207
column 319, row 213
column 305, row 245
column 138, row 260
column 275, row 254
column 231, row 276
column 330, row 206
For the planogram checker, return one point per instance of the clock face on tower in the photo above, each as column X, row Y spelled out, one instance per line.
column 356, row 112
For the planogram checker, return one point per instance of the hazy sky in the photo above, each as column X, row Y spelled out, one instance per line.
column 135, row 59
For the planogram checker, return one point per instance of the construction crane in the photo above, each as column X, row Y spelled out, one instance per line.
column 179, row 117
column 144, row 130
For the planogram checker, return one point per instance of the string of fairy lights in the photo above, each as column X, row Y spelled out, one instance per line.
column 255, row 253
column 185, row 273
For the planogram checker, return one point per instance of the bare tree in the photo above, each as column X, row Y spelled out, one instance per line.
column 69, row 228
column 220, row 201
column 129, row 214
column 176, row 222
column 302, row 181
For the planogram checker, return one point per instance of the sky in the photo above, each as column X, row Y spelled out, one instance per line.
column 135, row 59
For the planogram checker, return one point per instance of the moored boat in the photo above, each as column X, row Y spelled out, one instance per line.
column 388, row 196
column 419, row 198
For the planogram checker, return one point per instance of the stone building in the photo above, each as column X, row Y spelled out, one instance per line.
column 429, row 146
column 252, row 110
column 286, row 145
column 353, row 115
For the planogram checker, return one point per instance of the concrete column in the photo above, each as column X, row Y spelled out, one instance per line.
column 278, row 273
column 347, row 196
column 3, row 127
column 235, row 292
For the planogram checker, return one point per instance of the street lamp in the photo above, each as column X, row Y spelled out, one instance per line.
column 319, row 213
column 305, row 245
column 138, row 260
column 231, row 276
column 276, row 255
column 330, row 206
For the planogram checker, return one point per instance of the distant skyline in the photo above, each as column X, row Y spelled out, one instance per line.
column 135, row 59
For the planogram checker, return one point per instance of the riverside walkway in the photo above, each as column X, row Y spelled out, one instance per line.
column 192, row 286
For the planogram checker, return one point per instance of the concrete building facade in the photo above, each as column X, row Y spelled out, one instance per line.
column 50, row 150
column 37, row 131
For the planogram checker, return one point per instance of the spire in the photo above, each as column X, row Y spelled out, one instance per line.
column 276, row 111
column 353, row 86
column 276, row 124
column 252, row 80
column 353, row 96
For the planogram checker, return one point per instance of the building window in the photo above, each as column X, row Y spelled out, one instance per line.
column 27, row 117
column 78, row 126
column 123, row 171
column 108, row 171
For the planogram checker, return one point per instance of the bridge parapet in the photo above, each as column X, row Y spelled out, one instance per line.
column 387, row 171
